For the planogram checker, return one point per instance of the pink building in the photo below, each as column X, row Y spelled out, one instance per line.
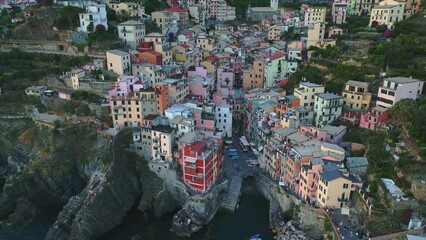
column 89, row 66
column 374, row 118
column 397, row 88
column 339, row 11
column 334, row 31
column 308, row 184
column 199, row 87
column 197, row 71
column 204, row 122
column 328, row 133
column 236, row 65
column 225, row 78
column 125, row 85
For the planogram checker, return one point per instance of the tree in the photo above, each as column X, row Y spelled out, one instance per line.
column 68, row 18
column 404, row 110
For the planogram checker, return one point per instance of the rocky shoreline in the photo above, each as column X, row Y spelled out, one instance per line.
column 286, row 231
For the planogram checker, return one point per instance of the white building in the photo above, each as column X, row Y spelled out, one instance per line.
column 95, row 15
column 35, row 90
column 76, row 74
column 163, row 141
column 223, row 119
column 327, row 108
column 119, row 62
column 131, row 32
column 388, row 12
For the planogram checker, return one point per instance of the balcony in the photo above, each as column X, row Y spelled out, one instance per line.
column 125, row 31
column 340, row 199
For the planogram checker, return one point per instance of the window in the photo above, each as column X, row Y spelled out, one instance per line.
column 345, row 185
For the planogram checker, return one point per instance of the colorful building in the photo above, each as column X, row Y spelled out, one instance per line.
column 306, row 92
column 202, row 162
column 397, row 88
column 327, row 108
column 356, row 95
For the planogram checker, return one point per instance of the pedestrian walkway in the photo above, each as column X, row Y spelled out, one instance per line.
column 234, row 191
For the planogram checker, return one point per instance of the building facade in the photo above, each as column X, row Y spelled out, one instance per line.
column 397, row 88
column 356, row 95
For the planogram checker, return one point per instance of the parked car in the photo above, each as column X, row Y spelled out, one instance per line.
column 228, row 142
column 235, row 157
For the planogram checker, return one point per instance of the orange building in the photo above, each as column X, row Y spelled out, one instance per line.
column 162, row 97
column 254, row 76
column 151, row 57
column 285, row 103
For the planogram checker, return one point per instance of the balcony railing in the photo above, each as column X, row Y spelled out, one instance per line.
column 340, row 199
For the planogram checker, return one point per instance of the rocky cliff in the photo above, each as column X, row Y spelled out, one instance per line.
column 96, row 180
column 304, row 217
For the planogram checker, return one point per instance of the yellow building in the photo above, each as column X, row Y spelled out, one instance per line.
column 314, row 15
column 119, row 62
column 306, row 93
column 316, row 34
column 163, row 19
column 274, row 33
column 356, row 95
column 130, row 9
column 130, row 110
column 205, row 43
column 334, row 188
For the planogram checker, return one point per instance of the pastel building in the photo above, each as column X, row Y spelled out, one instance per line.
column 219, row 10
column 328, row 133
column 202, row 162
column 397, row 88
column 125, row 85
column 339, row 11
column 163, row 141
column 306, row 93
column 356, row 95
column 119, row 62
column 130, row 9
column 308, row 183
column 316, row 32
column 225, row 78
column 387, row 12
column 334, row 188
column 223, row 117
column 95, row 15
column 327, row 108
column 131, row 33
column 254, row 75
column 314, row 15
column 374, row 118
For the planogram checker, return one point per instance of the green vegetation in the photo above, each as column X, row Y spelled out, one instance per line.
column 153, row 5
column 71, row 107
column 68, row 18
column 413, row 115
column 102, row 36
column 86, row 96
column 151, row 27
column 63, row 152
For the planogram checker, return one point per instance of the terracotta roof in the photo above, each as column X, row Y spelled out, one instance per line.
column 184, row 45
column 276, row 56
column 212, row 58
column 152, row 52
column 175, row 10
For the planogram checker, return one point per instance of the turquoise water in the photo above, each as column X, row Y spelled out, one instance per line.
column 252, row 217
